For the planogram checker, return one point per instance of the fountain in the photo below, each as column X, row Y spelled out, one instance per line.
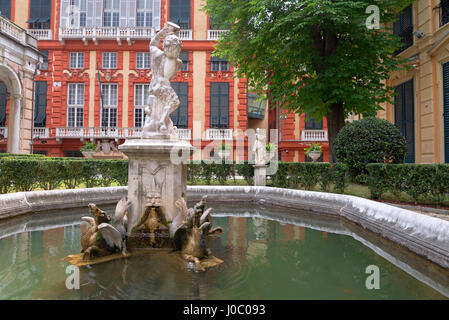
column 155, row 213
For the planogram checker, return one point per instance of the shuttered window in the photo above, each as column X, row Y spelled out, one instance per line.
column 311, row 124
column 219, row 105
column 144, row 13
column 40, row 102
column 40, row 13
column 404, row 117
column 180, row 115
column 3, row 102
column 403, row 28
column 78, row 14
column 111, row 15
column 446, row 110
column 5, row 8
column 180, row 13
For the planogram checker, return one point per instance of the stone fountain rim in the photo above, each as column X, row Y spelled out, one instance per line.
column 424, row 235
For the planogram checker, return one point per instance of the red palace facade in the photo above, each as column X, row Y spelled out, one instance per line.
column 93, row 46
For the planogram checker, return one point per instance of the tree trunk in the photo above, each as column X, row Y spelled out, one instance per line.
column 335, row 121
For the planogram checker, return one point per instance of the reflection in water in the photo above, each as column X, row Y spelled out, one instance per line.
column 263, row 260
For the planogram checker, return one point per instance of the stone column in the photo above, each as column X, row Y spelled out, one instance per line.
column 260, row 175
column 14, row 126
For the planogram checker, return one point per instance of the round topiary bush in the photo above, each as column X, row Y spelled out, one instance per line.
column 370, row 140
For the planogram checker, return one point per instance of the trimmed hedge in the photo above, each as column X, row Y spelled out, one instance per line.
column 419, row 181
column 29, row 173
column 307, row 175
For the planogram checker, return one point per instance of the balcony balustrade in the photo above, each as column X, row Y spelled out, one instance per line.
column 12, row 30
column 219, row 134
column 41, row 133
column 314, row 135
column 185, row 34
column 109, row 133
column 106, row 33
column 215, row 34
column 41, row 34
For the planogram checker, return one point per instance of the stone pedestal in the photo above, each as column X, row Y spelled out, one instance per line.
column 154, row 175
column 260, row 175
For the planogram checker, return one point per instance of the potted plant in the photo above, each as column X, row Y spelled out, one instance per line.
column 225, row 150
column 314, row 151
column 88, row 149
column 270, row 149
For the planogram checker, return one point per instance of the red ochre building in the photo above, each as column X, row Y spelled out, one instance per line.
column 88, row 43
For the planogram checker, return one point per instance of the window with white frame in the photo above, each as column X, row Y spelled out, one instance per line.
column 140, row 102
column 76, row 60
column 144, row 13
column 143, row 60
column 75, row 105
column 78, row 13
column 111, row 15
column 109, row 60
column 109, row 93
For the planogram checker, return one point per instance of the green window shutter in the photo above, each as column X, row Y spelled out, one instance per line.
column 404, row 117
column 446, row 110
column 180, row 13
column 40, row 102
column 5, row 8
column 219, row 105
column 3, row 102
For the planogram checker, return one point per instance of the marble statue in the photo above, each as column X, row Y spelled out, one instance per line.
column 259, row 148
column 162, row 99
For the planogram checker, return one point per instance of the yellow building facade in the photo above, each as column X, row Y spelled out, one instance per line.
column 421, row 105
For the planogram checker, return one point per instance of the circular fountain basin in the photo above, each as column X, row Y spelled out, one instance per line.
column 268, row 253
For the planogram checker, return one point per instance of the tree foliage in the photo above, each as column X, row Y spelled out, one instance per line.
column 313, row 56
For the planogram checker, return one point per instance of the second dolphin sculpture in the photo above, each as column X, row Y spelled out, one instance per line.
column 190, row 229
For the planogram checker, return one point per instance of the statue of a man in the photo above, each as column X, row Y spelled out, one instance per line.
column 259, row 148
column 163, row 100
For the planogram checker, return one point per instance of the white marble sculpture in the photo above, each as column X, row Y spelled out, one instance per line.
column 162, row 99
column 259, row 148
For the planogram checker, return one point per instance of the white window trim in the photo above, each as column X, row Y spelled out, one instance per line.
column 143, row 105
column 109, row 60
column 143, row 60
column 75, row 106
column 115, row 106
column 77, row 60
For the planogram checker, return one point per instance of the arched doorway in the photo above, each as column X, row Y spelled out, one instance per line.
column 14, row 91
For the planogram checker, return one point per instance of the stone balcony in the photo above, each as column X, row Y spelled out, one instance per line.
column 314, row 135
column 41, row 133
column 12, row 30
column 119, row 34
column 219, row 134
column 215, row 34
column 109, row 133
column 41, row 34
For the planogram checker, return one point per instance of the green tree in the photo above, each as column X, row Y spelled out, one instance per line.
column 313, row 56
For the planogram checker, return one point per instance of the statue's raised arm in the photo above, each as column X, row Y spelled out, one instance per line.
column 162, row 99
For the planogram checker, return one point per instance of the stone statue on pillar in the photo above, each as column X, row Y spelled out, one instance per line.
column 259, row 148
column 162, row 99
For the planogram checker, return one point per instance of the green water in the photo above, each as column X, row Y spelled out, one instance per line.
column 264, row 259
